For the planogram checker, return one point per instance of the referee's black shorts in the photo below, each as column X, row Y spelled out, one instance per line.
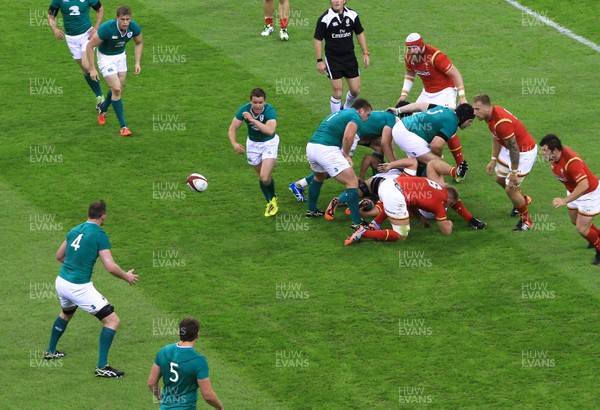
column 338, row 67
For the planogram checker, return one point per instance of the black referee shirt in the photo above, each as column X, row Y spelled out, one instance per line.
column 337, row 31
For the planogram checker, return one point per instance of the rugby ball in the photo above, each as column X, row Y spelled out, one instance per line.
column 197, row 183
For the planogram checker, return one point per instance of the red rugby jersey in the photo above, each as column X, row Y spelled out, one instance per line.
column 571, row 169
column 424, row 194
column 432, row 68
column 504, row 125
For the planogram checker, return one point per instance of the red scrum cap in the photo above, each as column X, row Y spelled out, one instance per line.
column 414, row 39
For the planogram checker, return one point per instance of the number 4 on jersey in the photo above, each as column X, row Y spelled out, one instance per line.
column 75, row 243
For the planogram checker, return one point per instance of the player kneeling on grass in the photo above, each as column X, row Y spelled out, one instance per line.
column 404, row 195
column 262, row 142
column 583, row 189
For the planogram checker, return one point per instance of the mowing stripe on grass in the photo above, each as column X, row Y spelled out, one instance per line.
column 557, row 26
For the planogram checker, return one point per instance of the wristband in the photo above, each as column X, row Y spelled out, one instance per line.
column 366, row 54
column 514, row 171
column 461, row 91
column 319, row 60
column 494, row 159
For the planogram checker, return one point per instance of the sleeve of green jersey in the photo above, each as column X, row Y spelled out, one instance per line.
column 103, row 242
column 136, row 30
column 157, row 358
column 202, row 372
column 55, row 4
column 270, row 113
column 104, row 30
column 239, row 113
column 92, row 3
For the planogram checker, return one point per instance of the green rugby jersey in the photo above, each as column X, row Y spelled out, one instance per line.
column 83, row 244
column 331, row 130
column 113, row 39
column 374, row 125
column 268, row 113
column 76, row 15
column 181, row 368
column 428, row 123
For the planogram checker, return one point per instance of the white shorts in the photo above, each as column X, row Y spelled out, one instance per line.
column 256, row 151
column 526, row 161
column 588, row 204
column 325, row 158
column 409, row 142
column 354, row 145
column 445, row 98
column 111, row 65
column 83, row 295
column 391, row 174
column 394, row 203
column 77, row 44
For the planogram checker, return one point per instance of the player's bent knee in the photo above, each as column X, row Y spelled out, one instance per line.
column 69, row 311
column 402, row 230
column 104, row 312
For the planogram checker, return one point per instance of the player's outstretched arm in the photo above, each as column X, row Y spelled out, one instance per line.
column 99, row 17
column 153, row 379
column 209, row 394
column 115, row 269
column 410, row 108
column 89, row 52
column 456, row 77
column 409, row 79
column 58, row 33
column 137, row 51
column 445, row 226
column 235, row 125
column 362, row 40
column 349, row 135
column 62, row 252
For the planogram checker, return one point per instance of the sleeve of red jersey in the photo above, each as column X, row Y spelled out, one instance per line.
column 575, row 169
column 505, row 129
column 441, row 62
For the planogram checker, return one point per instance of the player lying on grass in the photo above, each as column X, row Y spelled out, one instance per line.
column 404, row 195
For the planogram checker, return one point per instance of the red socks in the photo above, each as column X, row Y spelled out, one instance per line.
column 385, row 235
column 462, row 210
column 455, row 149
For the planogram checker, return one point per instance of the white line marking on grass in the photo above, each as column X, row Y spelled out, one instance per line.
column 558, row 27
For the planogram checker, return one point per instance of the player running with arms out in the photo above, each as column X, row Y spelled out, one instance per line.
column 284, row 12
column 111, row 39
column 513, row 154
column 337, row 131
column 583, row 189
column 407, row 194
column 78, row 32
column 262, row 142
column 78, row 253
column 336, row 26
column 441, row 81
column 183, row 371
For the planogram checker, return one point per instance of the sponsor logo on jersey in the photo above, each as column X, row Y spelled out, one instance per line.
column 129, row 34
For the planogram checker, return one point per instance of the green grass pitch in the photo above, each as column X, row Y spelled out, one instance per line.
column 290, row 317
